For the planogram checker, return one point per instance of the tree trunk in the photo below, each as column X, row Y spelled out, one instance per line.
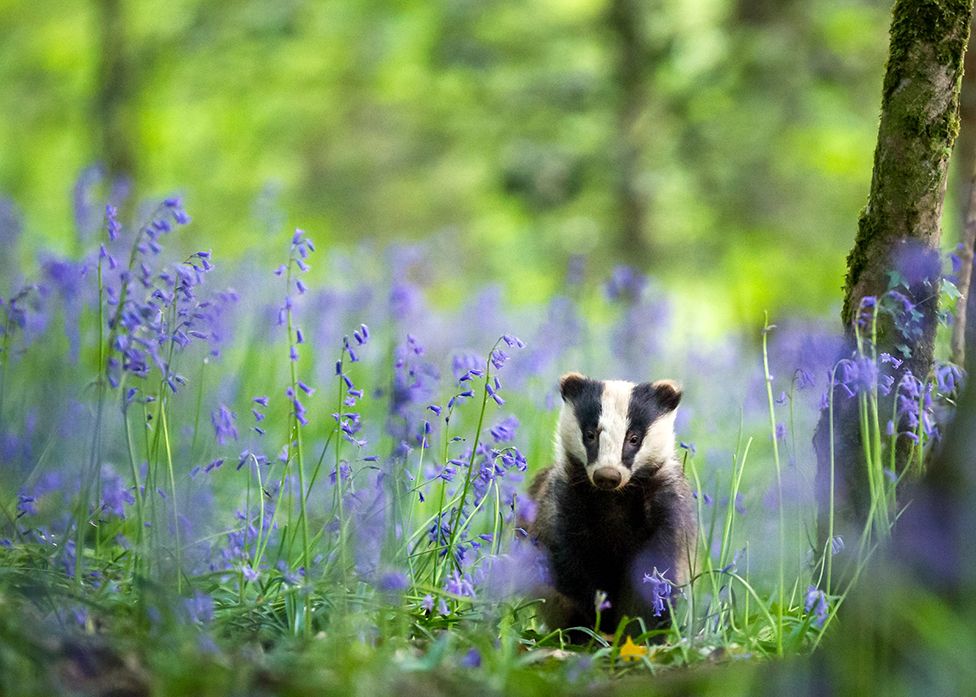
column 626, row 23
column 919, row 123
column 115, row 85
column 960, row 329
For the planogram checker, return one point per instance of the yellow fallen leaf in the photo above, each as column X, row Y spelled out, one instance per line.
column 631, row 651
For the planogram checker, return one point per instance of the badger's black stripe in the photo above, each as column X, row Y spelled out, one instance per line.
column 587, row 401
column 643, row 410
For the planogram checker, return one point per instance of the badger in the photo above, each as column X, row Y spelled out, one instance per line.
column 614, row 506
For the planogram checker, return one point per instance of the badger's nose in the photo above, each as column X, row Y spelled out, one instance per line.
column 606, row 478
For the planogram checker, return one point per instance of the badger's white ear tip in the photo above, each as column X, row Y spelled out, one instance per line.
column 571, row 384
column 571, row 376
column 669, row 384
column 668, row 393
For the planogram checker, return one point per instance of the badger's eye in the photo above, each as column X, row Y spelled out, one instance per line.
column 633, row 439
column 590, row 435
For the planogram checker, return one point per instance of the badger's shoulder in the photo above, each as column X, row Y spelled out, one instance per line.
column 540, row 484
column 543, row 493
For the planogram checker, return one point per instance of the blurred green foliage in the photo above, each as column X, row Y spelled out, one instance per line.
column 496, row 124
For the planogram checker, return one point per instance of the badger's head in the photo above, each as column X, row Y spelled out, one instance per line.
column 611, row 429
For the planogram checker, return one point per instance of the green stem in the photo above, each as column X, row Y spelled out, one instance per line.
column 172, row 488
column 300, row 459
column 779, row 487
column 449, row 557
column 830, row 510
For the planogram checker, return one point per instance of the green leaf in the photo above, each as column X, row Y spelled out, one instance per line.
column 949, row 290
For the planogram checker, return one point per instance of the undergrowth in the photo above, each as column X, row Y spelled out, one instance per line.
column 314, row 481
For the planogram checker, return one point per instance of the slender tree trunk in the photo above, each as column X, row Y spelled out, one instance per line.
column 964, row 156
column 112, row 105
column 630, row 76
column 960, row 329
column 964, row 164
column 919, row 123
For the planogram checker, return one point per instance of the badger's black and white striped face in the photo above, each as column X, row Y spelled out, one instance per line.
column 613, row 428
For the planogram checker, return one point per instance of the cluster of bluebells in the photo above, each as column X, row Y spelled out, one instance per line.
column 156, row 313
column 348, row 420
column 860, row 375
column 494, row 462
column 299, row 251
column 657, row 590
column 914, row 404
column 914, row 409
column 116, row 493
column 644, row 319
column 15, row 316
column 415, row 382
column 259, row 416
column 236, row 553
column 224, row 423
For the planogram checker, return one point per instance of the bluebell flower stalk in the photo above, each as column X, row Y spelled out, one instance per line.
column 767, row 328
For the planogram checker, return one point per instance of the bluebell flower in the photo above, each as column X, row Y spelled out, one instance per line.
column 803, row 379
column 393, row 582
column 214, row 464
column 463, row 363
column 493, row 393
column 625, row 284
column 948, row 378
column 815, row 603
column 223, row 421
column 199, row 608
column 116, row 494
column 460, row 585
column 26, row 505
column 472, row 659
column 658, row 592
column 498, row 358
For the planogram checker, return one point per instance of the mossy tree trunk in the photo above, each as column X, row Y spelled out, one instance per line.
column 901, row 221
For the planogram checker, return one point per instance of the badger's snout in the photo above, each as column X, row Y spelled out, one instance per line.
column 606, row 478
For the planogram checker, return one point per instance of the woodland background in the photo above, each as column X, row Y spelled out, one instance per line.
column 724, row 146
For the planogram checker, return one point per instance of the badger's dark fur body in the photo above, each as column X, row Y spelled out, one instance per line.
column 615, row 505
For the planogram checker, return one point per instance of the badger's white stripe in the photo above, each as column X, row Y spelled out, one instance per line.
column 613, row 425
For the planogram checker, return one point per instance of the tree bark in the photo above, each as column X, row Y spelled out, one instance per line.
column 960, row 329
column 964, row 164
column 964, row 156
column 919, row 124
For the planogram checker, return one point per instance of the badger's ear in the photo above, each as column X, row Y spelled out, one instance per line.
column 667, row 393
column 571, row 385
